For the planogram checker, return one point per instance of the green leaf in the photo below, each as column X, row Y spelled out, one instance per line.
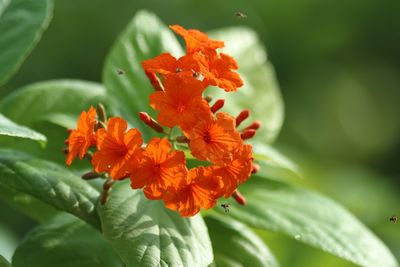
column 260, row 93
column 145, row 233
column 59, row 102
column 310, row 218
column 49, row 183
column 22, row 23
column 65, row 241
column 236, row 245
column 3, row 5
column 274, row 164
column 145, row 37
column 8, row 242
column 10, row 128
column 4, row 262
column 27, row 204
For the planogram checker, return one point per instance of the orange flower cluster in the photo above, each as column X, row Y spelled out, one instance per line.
column 212, row 136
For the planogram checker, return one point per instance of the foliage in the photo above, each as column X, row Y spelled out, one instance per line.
column 130, row 230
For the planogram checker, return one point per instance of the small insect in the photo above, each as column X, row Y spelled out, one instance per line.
column 394, row 219
column 120, row 72
column 240, row 15
column 226, row 206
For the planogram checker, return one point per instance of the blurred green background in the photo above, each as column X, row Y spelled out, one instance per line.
column 338, row 64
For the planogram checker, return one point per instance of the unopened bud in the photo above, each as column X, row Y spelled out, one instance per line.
column 240, row 199
column 217, row 105
column 101, row 113
column 106, row 191
column 247, row 134
column 255, row 168
column 208, row 98
column 91, row 175
column 69, row 130
column 244, row 114
column 65, row 150
column 254, row 126
column 182, row 139
column 152, row 123
column 154, row 81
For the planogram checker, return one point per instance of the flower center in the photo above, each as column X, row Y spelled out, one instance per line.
column 207, row 138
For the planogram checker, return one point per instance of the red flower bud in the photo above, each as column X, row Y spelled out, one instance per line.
column 256, row 168
column 240, row 199
column 217, row 105
column 244, row 114
column 247, row 134
column 152, row 123
column 254, row 126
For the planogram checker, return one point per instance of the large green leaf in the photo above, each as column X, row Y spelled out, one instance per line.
column 25, row 203
column 236, row 245
column 49, row 183
column 310, row 218
column 4, row 262
column 8, row 242
column 260, row 93
column 22, row 23
column 65, row 241
column 145, row 37
column 145, row 233
column 58, row 101
column 274, row 164
column 10, row 128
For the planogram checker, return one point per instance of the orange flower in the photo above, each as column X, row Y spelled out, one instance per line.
column 238, row 170
column 118, row 151
column 83, row 137
column 215, row 139
column 198, row 190
column 217, row 70
column 159, row 169
column 167, row 64
column 181, row 103
column 196, row 40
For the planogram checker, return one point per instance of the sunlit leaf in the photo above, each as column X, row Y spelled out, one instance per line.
column 22, row 23
column 58, row 101
column 145, row 37
column 235, row 244
column 65, row 241
column 145, row 233
column 310, row 218
column 49, row 183
column 10, row 128
column 260, row 93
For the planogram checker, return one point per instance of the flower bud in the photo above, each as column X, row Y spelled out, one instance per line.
column 254, row 126
column 152, row 123
column 217, row 105
column 240, row 199
column 247, row 134
column 244, row 114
